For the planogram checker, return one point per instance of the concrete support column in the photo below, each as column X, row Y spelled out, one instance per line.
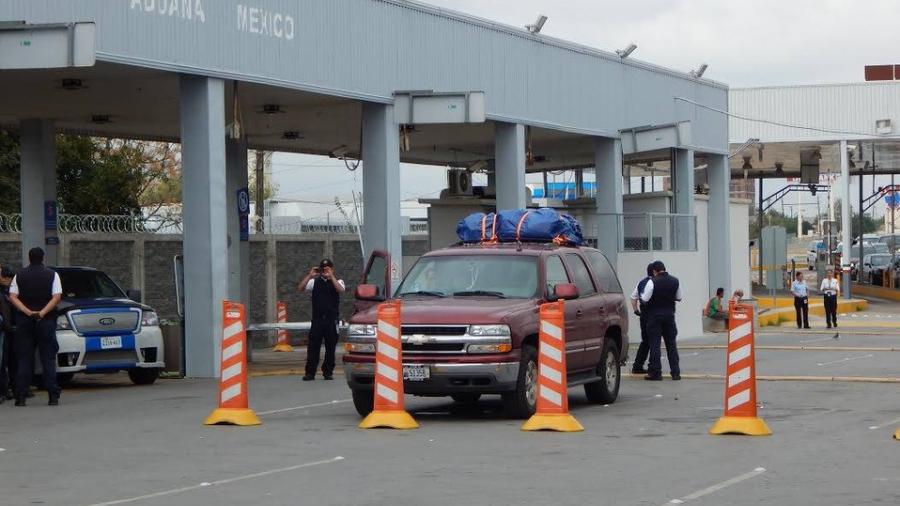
column 509, row 154
column 683, row 189
column 236, row 177
column 719, row 224
column 38, row 186
column 381, row 184
column 205, row 237
column 608, row 170
column 846, row 226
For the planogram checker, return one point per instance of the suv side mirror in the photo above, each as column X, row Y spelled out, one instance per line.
column 135, row 295
column 367, row 292
column 565, row 291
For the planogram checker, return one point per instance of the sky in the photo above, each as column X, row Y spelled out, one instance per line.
column 745, row 43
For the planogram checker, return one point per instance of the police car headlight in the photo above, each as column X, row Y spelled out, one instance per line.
column 149, row 319
column 62, row 323
column 361, row 330
column 489, row 330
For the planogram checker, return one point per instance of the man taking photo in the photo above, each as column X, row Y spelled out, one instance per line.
column 326, row 291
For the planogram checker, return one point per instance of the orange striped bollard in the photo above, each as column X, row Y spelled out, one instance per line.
column 233, row 400
column 553, row 394
column 740, row 379
column 283, row 343
column 389, row 410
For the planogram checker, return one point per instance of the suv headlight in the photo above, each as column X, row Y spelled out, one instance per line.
column 62, row 323
column 356, row 329
column 489, row 330
column 149, row 319
column 503, row 346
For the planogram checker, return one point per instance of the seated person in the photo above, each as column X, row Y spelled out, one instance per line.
column 735, row 298
column 715, row 309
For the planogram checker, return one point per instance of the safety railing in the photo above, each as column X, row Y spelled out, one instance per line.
column 649, row 231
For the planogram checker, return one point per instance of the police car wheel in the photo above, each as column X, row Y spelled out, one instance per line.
column 522, row 403
column 143, row 376
column 363, row 401
column 606, row 390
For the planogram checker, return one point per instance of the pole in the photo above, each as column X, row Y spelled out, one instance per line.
column 260, row 189
column 759, row 225
column 859, row 262
column 799, row 215
column 846, row 235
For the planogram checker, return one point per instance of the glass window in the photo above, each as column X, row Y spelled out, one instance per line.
column 556, row 273
column 606, row 275
column 377, row 273
column 513, row 277
column 88, row 285
column 580, row 274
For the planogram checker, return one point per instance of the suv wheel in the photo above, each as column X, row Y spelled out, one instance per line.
column 606, row 390
column 143, row 376
column 363, row 401
column 466, row 398
column 523, row 402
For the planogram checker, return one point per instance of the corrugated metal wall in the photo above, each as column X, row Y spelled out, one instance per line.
column 368, row 49
column 849, row 110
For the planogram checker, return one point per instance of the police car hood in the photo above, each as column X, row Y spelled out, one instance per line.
column 99, row 302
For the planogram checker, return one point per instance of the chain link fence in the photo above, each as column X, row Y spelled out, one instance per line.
column 654, row 232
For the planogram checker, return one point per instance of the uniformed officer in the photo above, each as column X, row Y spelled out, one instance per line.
column 7, row 360
column 326, row 291
column 660, row 295
column 637, row 305
column 35, row 292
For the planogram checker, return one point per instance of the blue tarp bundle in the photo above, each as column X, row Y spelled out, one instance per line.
column 526, row 225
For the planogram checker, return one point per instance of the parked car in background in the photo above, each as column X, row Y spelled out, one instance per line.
column 470, row 323
column 876, row 277
column 869, row 248
column 874, row 261
column 892, row 242
column 100, row 329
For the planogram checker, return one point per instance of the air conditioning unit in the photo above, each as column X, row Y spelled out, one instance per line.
column 459, row 183
column 883, row 126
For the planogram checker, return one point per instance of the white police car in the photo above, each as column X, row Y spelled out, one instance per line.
column 101, row 330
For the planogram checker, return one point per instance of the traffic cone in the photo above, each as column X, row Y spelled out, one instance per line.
column 897, row 435
column 740, row 383
column 283, row 343
column 233, row 401
column 389, row 411
column 553, row 396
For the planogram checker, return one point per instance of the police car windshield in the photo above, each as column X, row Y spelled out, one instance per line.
column 473, row 276
column 88, row 285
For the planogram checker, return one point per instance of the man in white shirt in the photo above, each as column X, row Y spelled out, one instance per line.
column 801, row 301
column 830, row 289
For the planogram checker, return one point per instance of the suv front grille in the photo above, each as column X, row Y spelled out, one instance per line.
column 105, row 322
column 434, row 347
column 434, row 330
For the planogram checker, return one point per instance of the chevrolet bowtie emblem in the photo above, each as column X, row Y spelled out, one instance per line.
column 418, row 339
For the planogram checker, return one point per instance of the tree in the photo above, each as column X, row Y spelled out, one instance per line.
column 9, row 172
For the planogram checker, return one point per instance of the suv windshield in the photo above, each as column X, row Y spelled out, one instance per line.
column 513, row 277
column 88, row 285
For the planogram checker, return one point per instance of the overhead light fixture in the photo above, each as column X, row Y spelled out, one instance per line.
column 779, row 168
column 478, row 166
column 624, row 53
column 100, row 119
column 747, row 165
column 700, row 70
column 291, row 135
column 536, row 27
column 272, row 109
column 72, row 84
column 339, row 152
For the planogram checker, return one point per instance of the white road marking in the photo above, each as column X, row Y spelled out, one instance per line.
column 886, row 424
column 846, row 359
column 719, row 486
column 295, row 408
column 814, row 340
column 219, row 482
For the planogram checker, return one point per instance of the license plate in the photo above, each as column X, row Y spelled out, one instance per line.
column 110, row 342
column 416, row 372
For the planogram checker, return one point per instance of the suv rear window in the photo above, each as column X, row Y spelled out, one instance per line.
column 609, row 282
column 514, row 277
column 580, row 274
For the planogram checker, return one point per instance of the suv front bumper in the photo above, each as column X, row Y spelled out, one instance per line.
column 446, row 379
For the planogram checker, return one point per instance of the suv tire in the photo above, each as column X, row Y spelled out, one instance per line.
column 606, row 390
column 363, row 401
column 522, row 403
column 142, row 376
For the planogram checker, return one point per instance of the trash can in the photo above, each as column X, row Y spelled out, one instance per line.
column 171, row 333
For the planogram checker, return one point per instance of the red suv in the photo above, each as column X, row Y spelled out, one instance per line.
column 470, row 323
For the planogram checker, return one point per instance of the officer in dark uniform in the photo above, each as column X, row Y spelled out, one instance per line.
column 35, row 292
column 326, row 291
column 7, row 359
column 660, row 295
column 638, row 306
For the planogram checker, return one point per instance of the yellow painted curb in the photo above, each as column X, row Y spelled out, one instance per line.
column 788, row 314
column 876, row 291
column 838, row 379
column 790, row 348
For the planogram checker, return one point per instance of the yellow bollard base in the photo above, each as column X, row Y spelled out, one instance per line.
column 744, row 425
column 389, row 420
column 556, row 422
column 232, row 416
column 283, row 347
column 897, row 435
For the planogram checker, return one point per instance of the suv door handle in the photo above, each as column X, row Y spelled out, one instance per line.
column 579, row 313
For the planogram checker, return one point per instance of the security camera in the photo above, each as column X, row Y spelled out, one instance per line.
column 536, row 27
column 339, row 152
column 624, row 53
column 700, row 70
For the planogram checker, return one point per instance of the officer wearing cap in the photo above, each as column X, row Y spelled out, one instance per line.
column 35, row 291
column 638, row 306
column 326, row 291
column 660, row 295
